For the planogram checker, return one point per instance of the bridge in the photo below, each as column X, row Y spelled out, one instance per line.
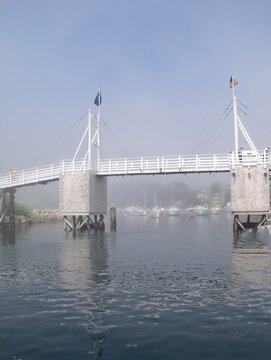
column 85, row 176
column 153, row 165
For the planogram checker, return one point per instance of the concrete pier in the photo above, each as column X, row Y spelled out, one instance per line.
column 83, row 200
column 250, row 195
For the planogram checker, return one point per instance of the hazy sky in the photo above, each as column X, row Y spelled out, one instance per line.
column 163, row 66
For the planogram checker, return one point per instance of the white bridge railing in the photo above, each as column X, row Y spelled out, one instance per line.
column 164, row 165
column 179, row 164
column 42, row 174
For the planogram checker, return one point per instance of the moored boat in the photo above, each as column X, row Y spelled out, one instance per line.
column 202, row 211
column 173, row 211
column 154, row 212
column 215, row 210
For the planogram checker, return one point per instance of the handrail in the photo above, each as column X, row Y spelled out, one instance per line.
column 154, row 165
column 163, row 164
column 42, row 174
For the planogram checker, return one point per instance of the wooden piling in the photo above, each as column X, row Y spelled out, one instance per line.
column 113, row 219
column 7, row 208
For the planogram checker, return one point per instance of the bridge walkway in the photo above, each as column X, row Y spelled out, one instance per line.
column 153, row 165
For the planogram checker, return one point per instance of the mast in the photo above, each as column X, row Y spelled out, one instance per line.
column 89, row 137
column 98, row 128
column 233, row 83
column 87, row 140
column 239, row 125
column 97, row 102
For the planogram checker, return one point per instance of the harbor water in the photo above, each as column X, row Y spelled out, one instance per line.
column 175, row 287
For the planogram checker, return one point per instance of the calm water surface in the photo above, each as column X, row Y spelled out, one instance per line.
column 174, row 288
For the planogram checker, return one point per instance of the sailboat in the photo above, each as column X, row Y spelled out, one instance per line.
column 173, row 211
column 202, row 209
column 154, row 212
column 216, row 203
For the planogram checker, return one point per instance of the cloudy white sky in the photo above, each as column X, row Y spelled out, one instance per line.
column 163, row 66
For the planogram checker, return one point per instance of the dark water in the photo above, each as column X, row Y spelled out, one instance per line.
column 174, row 288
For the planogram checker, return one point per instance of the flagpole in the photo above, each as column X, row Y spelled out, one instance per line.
column 97, row 102
column 235, row 117
column 98, row 127
column 89, row 138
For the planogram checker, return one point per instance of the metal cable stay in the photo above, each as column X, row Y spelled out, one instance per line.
column 250, row 114
column 214, row 128
column 60, row 137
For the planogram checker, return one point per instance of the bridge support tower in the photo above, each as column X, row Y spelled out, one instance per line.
column 83, row 200
column 250, row 195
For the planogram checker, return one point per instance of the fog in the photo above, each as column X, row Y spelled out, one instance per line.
column 132, row 191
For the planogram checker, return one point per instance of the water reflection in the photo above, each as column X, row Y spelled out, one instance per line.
column 84, row 274
column 9, row 234
column 251, row 266
column 10, row 268
column 84, row 259
column 252, row 241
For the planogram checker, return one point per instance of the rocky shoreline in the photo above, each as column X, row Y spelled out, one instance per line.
column 39, row 216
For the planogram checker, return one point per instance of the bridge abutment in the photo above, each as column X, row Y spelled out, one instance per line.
column 83, row 200
column 250, row 195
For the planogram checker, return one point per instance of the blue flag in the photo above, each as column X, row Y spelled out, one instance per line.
column 98, row 99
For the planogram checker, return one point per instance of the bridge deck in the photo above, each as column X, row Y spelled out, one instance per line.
column 178, row 164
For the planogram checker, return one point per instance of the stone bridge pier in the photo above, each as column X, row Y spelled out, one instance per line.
column 83, row 200
column 250, row 195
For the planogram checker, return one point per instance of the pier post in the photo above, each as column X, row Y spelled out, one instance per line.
column 11, row 207
column 113, row 219
column 3, row 207
column 7, row 208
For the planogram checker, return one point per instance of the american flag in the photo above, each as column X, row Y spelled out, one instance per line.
column 233, row 82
